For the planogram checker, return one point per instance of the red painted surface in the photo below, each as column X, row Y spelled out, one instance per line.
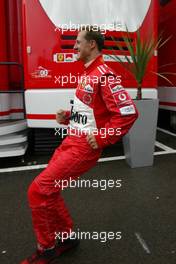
column 41, row 116
column 168, row 103
column 3, row 47
column 24, row 23
column 11, row 111
column 10, row 44
column 14, row 39
column 167, row 53
column 40, row 35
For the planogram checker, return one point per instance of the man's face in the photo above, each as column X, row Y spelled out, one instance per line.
column 83, row 47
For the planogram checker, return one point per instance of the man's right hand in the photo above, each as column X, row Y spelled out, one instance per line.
column 60, row 116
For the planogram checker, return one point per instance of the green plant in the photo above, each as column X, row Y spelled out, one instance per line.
column 140, row 53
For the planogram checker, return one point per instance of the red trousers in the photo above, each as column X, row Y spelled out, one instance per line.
column 49, row 213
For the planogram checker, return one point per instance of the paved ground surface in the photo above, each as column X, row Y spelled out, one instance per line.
column 143, row 210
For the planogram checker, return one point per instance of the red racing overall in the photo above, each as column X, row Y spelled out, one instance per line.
column 102, row 107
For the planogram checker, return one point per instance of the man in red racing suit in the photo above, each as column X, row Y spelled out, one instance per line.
column 101, row 114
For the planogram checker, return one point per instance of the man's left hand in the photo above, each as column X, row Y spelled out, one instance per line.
column 92, row 141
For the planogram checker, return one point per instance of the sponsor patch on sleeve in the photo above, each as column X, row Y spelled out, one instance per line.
column 115, row 87
column 127, row 110
column 88, row 88
column 122, row 98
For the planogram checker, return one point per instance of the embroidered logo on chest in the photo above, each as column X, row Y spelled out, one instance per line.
column 77, row 117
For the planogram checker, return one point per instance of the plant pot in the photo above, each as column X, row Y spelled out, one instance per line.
column 139, row 143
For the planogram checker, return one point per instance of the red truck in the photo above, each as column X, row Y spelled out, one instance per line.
column 38, row 66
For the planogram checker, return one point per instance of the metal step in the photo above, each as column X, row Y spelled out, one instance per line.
column 14, row 138
column 8, row 127
column 13, row 150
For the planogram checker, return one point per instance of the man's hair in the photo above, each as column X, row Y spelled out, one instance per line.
column 94, row 33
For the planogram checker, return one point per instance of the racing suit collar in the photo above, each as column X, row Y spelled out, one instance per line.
column 98, row 61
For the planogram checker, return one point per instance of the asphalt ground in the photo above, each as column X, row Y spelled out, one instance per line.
column 142, row 209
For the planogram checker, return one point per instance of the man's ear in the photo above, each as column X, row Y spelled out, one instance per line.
column 93, row 43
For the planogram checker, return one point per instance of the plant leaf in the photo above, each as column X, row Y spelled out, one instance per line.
column 163, row 77
column 141, row 55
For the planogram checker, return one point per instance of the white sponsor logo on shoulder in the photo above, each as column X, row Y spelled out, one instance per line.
column 116, row 88
column 122, row 97
column 88, row 88
column 127, row 110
